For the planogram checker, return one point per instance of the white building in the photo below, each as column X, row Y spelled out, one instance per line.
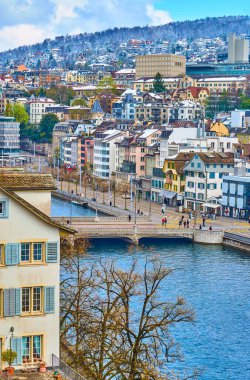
column 240, row 119
column 105, row 153
column 29, row 271
column 238, row 49
column 37, row 108
column 204, row 174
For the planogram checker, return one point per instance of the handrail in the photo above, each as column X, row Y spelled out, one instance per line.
column 67, row 372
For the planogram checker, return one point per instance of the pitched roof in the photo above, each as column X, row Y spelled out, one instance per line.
column 36, row 211
column 195, row 91
column 215, row 158
column 27, row 181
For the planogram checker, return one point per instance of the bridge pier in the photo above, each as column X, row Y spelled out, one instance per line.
column 135, row 235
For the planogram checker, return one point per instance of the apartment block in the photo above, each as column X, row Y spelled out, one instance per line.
column 168, row 65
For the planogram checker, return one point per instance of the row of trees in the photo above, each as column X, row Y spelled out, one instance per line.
column 114, row 322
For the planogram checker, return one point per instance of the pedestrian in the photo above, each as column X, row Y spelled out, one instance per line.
column 162, row 209
column 182, row 218
column 110, row 203
column 162, row 221
column 200, row 227
column 129, row 218
column 184, row 224
column 165, row 221
column 187, row 223
column 203, row 220
column 190, row 215
column 210, row 228
column 180, row 223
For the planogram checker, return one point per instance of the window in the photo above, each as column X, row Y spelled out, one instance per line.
column 25, row 252
column 32, row 252
column 31, row 347
column 37, row 252
column 199, row 165
column 142, row 167
column 4, row 206
column 32, row 300
column 212, row 175
column 26, row 300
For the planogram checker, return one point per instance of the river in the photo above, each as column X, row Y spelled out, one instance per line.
column 215, row 281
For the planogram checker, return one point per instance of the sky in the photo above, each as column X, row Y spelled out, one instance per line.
column 24, row 22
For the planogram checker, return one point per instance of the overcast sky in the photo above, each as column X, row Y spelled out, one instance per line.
column 29, row 21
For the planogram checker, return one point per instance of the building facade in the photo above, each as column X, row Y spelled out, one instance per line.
column 204, row 175
column 29, row 278
column 9, row 135
column 168, row 65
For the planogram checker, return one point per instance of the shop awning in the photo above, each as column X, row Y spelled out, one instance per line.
column 167, row 194
column 211, row 205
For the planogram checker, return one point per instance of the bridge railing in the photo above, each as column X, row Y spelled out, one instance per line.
column 101, row 219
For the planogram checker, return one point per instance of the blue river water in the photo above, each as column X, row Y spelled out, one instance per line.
column 215, row 281
column 67, row 209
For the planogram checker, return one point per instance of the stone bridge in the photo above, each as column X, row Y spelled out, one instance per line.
column 136, row 233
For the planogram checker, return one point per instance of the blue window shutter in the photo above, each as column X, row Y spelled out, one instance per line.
column 16, row 345
column 52, row 252
column 12, row 254
column 49, row 299
column 9, row 302
column 17, row 301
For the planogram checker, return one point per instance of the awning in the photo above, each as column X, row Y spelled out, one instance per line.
column 167, row 194
column 211, row 205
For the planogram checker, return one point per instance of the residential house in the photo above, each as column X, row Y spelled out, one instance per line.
column 104, row 163
column 174, row 182
column 29, row 275
column 204, row 174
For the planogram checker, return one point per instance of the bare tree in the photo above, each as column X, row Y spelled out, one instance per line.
column 116, row 322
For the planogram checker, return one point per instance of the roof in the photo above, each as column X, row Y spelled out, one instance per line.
column 195, row 91
column 215, row 158
column 35, row 211
column 27, row 181
column 22, row 68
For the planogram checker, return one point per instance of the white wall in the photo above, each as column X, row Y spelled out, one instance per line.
column 21, row 225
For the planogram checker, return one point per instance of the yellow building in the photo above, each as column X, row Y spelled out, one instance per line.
column 174, row 173
column 220, row 129
column 168, row 65
column 223, row 83
column 170, row 83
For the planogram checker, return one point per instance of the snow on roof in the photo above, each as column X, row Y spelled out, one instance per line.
column 126, row 71
column 222, row 79
column 147, row 133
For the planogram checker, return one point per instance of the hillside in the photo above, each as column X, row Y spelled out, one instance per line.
column 111, row 38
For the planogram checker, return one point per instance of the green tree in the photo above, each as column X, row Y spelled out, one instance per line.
column 107, row 84
column 79, row 102
column 20, row 114
column 61, row 94
column 46, row 126
column 245, row 102
column 9, row 110
column 158, row 84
